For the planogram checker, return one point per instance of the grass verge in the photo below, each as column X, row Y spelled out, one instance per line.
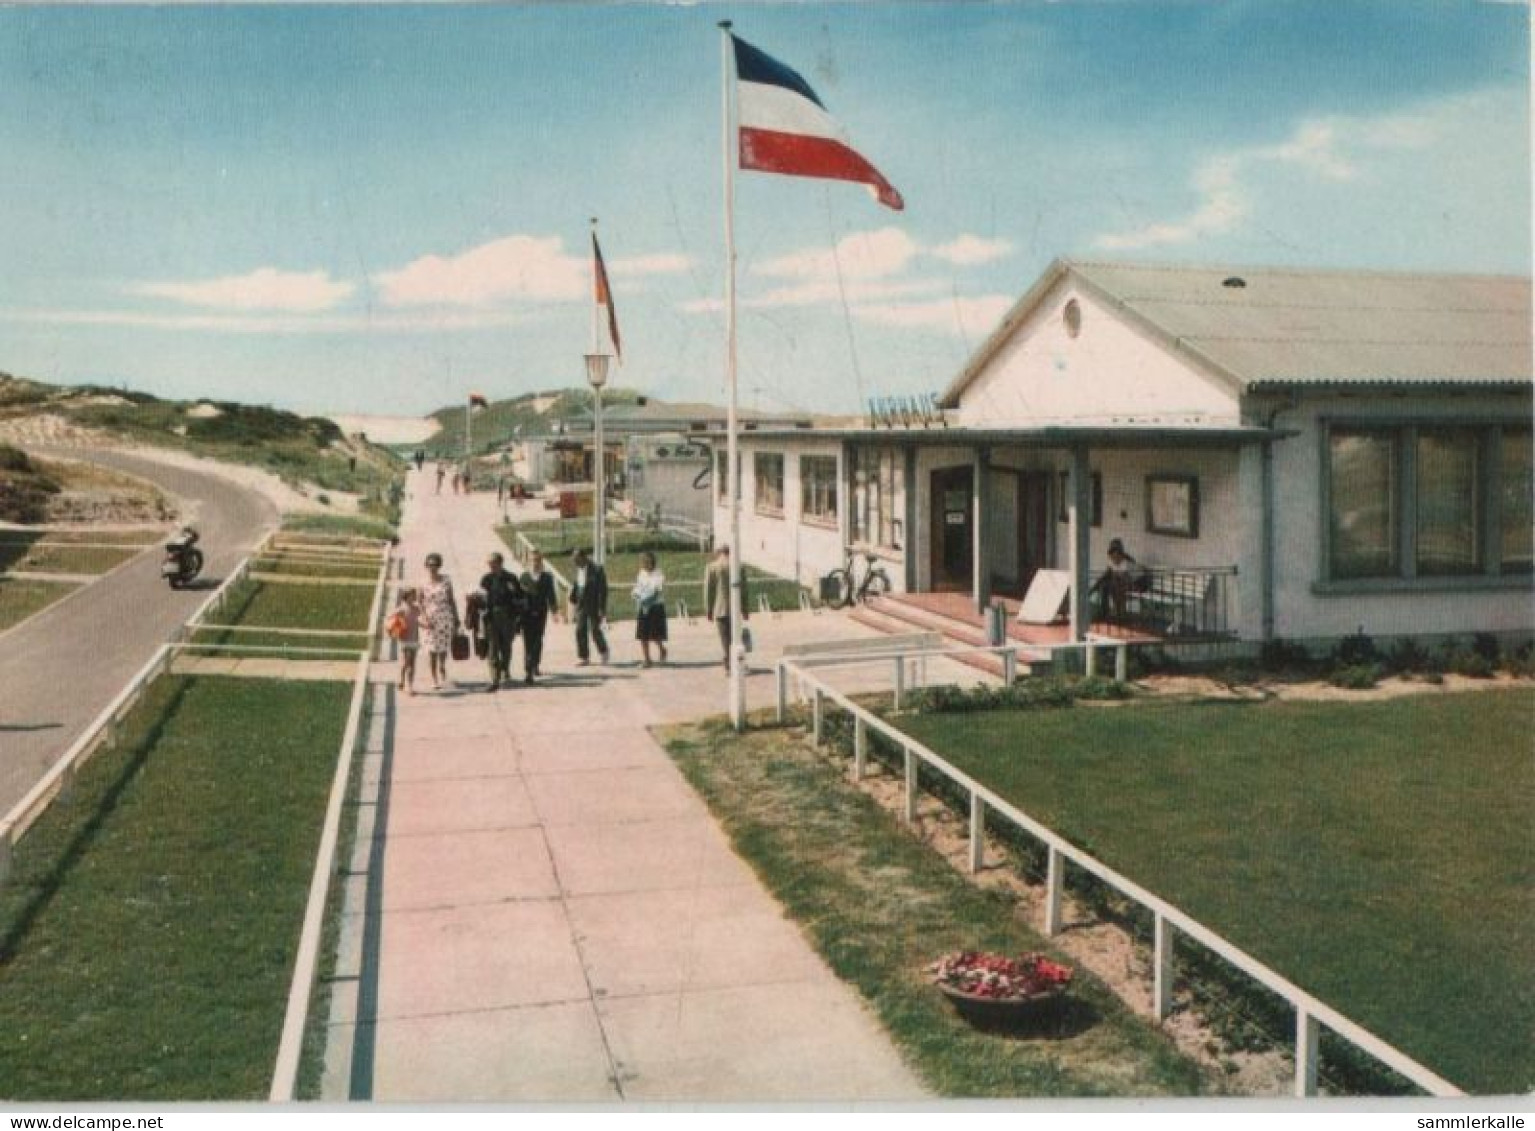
column 20, row 598
column 151, row 921
column 1375, row 853
column 349, row 525
column 879, row 906
column 51, row 557
column 292, row 605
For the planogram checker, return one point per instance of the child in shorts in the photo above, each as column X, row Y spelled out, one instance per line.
column 405, row 627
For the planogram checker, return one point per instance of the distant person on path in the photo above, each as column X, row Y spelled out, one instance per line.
column 538, row 589
column 650, row 606
column 501, row 489
column 589, row 604
column 717, row 598
column 441, row 474
column 504, row 603
column 405, row 627
column 439, row 617
column 420, row 459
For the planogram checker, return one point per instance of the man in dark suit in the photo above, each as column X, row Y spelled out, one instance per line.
column 538, row 588
column 503, row 603
column 589, row 604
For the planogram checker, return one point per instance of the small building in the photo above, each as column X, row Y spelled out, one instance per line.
column 1287, row 453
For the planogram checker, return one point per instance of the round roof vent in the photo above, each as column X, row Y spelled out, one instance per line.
column 1072, row 318
column 1234, row 282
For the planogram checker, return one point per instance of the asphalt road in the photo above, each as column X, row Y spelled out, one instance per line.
column 60, row 668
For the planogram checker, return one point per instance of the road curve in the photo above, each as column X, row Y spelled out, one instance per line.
column 60, row 668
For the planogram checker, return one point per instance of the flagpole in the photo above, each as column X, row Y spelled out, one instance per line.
column 737, row 654
column 600, row 503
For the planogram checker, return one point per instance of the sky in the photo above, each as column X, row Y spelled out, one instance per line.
column 383, row 208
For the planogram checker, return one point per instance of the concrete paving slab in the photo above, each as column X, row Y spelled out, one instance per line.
column 431, row 759
column 459, row 804
column 537, row 1054
column 683, row 852
column 631, row 793
column 461, row 868
column 486, row 956
column 471, row 721
column 606, row 748
column 805, row 1041
column 670, row 941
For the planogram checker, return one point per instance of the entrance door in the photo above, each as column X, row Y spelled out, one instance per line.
column 1033, row 526
column 953, row 529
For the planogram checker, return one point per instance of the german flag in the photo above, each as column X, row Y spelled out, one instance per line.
column 477, row 400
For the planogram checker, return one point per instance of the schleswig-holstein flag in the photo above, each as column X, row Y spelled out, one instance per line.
column 785, row 128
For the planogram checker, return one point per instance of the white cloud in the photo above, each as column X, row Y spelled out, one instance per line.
column 433, row 321
column 967, row 317
column 634, row 266
column 861, row 255
column 266, row 288
column 528, row 268
column 1336, row 148
column 970, row 251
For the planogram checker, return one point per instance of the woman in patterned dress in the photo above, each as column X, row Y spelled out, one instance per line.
column 439, row 617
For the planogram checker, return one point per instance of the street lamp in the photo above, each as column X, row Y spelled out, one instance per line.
column 597, row 377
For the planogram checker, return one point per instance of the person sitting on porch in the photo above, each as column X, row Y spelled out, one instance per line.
column 1116, row 583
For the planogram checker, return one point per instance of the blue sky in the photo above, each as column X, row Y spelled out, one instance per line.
column 381, row 208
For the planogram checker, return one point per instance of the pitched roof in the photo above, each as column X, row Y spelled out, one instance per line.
column 1278, row 327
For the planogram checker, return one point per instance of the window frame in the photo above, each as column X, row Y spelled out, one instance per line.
column 827, row 478
column 1490, row 572
column 881, row 527
column 767, row 509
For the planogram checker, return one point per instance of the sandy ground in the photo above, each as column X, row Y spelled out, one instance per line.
column 48, row 430
column 386, row 429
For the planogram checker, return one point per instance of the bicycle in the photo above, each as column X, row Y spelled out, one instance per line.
column 838, row 588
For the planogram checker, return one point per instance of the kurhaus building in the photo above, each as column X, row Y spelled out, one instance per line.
column 1286, row 453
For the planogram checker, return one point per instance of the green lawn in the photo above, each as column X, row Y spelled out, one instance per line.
column 53, row 557
column 345, row 525
column 292, row 605
column 151, row 921
column 880, row 906
column 311, row 567
column 1377, row 854
column 19, row 599
column 679, row 560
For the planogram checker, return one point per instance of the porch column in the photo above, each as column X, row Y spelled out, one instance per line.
column 1079, row 513
column 909, row 517
column 982, row 543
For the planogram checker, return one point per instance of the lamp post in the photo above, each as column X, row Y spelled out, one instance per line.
column 597, row 377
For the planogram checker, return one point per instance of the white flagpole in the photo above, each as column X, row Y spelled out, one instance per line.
column 732, row 454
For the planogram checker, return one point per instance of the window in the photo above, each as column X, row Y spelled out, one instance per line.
column 1063, row 513
column 1172, row 505
column 879, row 496
column 769, row 476
column 1440, row 500
column 1517, row 493
column 1448, row 534
column 1364, row 504
column 818, row 489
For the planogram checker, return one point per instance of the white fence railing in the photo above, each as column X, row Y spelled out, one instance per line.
column 1310, row 1013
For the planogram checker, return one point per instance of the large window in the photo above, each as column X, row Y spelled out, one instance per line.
column 768, row 467
column 1428, row 501
column 818, row 489
column 879, row 497
column 1364, row 504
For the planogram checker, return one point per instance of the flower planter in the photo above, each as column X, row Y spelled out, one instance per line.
column 992, row 991
column 1003, row 1012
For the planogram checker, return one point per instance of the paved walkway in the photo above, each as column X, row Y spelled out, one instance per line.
column 560, row 917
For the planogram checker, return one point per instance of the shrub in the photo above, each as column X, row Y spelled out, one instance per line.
column 1283, row 655
column 1486, row 645
column 1355, row 650
column 1407, row 656
column 14, row 459
column 1355, row 677
column 1521, row 662
column 1026, row 694
column 1471, row 664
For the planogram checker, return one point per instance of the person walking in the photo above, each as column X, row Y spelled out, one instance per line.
column 405, row 628
column 650, row 607
column 439, row 617
column 442, row 472
column 717, row 598
column 538, row 590
column 503, row 602
column 589, row 604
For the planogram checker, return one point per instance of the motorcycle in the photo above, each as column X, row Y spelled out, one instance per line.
column 183, row 561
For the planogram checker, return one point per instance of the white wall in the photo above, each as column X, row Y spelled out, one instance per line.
column 788, row 545
column 1110, row 371
column 1301, row 613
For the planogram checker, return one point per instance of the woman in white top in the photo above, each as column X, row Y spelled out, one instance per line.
column 650, row 605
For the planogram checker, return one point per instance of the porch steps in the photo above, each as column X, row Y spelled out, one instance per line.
column 894, row 616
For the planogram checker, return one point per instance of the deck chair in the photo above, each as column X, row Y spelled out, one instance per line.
column 1045, row 602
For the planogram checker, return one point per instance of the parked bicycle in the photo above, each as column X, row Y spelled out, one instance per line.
column 841, row 589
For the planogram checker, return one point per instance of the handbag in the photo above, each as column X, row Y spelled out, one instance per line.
column 460, row 646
